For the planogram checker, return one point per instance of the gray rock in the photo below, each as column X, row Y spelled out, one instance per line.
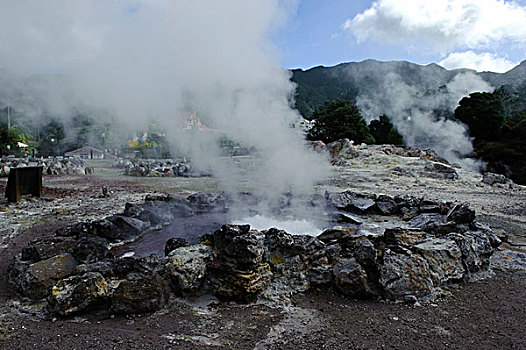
column 351, row 202
column 442, row 171
column 404, row 238
column 461, row 214
column 365, row 252
column 140, row 293
column 405, row 274
column 174, row 243
column 237, row 269
column 91, row 249
column 423, row 220
column 351, row 279
column 79, row 293
column 187, row 266
column 476, row 248
column 35, row 280
column 492, row 179
column 387, row 205
column 444, row 259
column 46, row 248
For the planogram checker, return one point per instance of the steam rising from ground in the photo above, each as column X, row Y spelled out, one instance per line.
column 411, row 111
column 292, row 226
column 141, row 60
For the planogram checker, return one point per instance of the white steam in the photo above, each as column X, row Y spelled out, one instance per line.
column 292, row 226
column 411, row 111
column 141, row 60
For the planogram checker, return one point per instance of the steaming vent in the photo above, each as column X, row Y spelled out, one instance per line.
column 290, row 225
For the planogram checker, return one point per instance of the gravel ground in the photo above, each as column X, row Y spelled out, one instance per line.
column 486, row 314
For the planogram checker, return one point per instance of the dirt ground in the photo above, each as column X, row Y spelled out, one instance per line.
column 487, row 314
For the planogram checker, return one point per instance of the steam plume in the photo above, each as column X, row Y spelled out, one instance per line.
column 139, row 60
column 412, row 112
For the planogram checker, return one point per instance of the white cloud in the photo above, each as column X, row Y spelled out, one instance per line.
column 442, row 25
column 480, row 62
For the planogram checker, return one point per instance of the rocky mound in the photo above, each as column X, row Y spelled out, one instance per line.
column 158, row 168
column 55, row 166
column 397, row 248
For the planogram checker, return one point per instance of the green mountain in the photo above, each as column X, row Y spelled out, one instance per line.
column 348, row 81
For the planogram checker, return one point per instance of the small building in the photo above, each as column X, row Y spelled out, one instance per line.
column 86, row 152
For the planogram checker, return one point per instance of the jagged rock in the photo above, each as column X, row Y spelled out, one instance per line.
column 346, row 218
column 442, row 171
column 139, row 293
column 237, row 268
column 365, row 252
column 492, row 179
column 436, row 224
column 208, row 201
column 403, row 274
column 128, row 228
column 387, row 205
column 35, row 280
column 444, row 259
column 427, row 206
column 342, row 149
column 174, row 243
column 46, row 248
column 237, row 244
column 104, row 228
column 91, row 249
column 350, row 201
column 423, row 220
column 439, row 244
column 78, row 293
column 351, row 279
column 403, row 237
column 476, row 247
column 119, row 227
column 461, row 214
column 333, row 235
column 187, row 266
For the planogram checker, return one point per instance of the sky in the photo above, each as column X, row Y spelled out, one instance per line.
column 484, row 35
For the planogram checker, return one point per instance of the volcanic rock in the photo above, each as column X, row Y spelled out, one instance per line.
column 492, row 179
column 237, row 269
column 187, row 266
column 140, row 293
column 349, row 201
column 35, row 280
column 174, row 243
column 403, row 274
column 351, row 279
column 441, row 171
column 79, row 293
column 91, row 249
column 461, row 214
column 43, row 249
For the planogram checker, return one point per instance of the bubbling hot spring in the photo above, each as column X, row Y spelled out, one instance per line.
column 201, row 214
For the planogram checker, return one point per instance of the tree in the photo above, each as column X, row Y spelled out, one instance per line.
column 51, row 136
column 484, row 113
column 337, row 120
column 384, row 132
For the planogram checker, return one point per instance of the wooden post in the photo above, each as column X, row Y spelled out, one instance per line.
column 24, row 180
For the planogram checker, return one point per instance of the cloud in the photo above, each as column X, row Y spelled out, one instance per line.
column 481, row 62
column 441, row 25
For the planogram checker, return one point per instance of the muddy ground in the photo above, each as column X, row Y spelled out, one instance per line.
column 487, row 314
